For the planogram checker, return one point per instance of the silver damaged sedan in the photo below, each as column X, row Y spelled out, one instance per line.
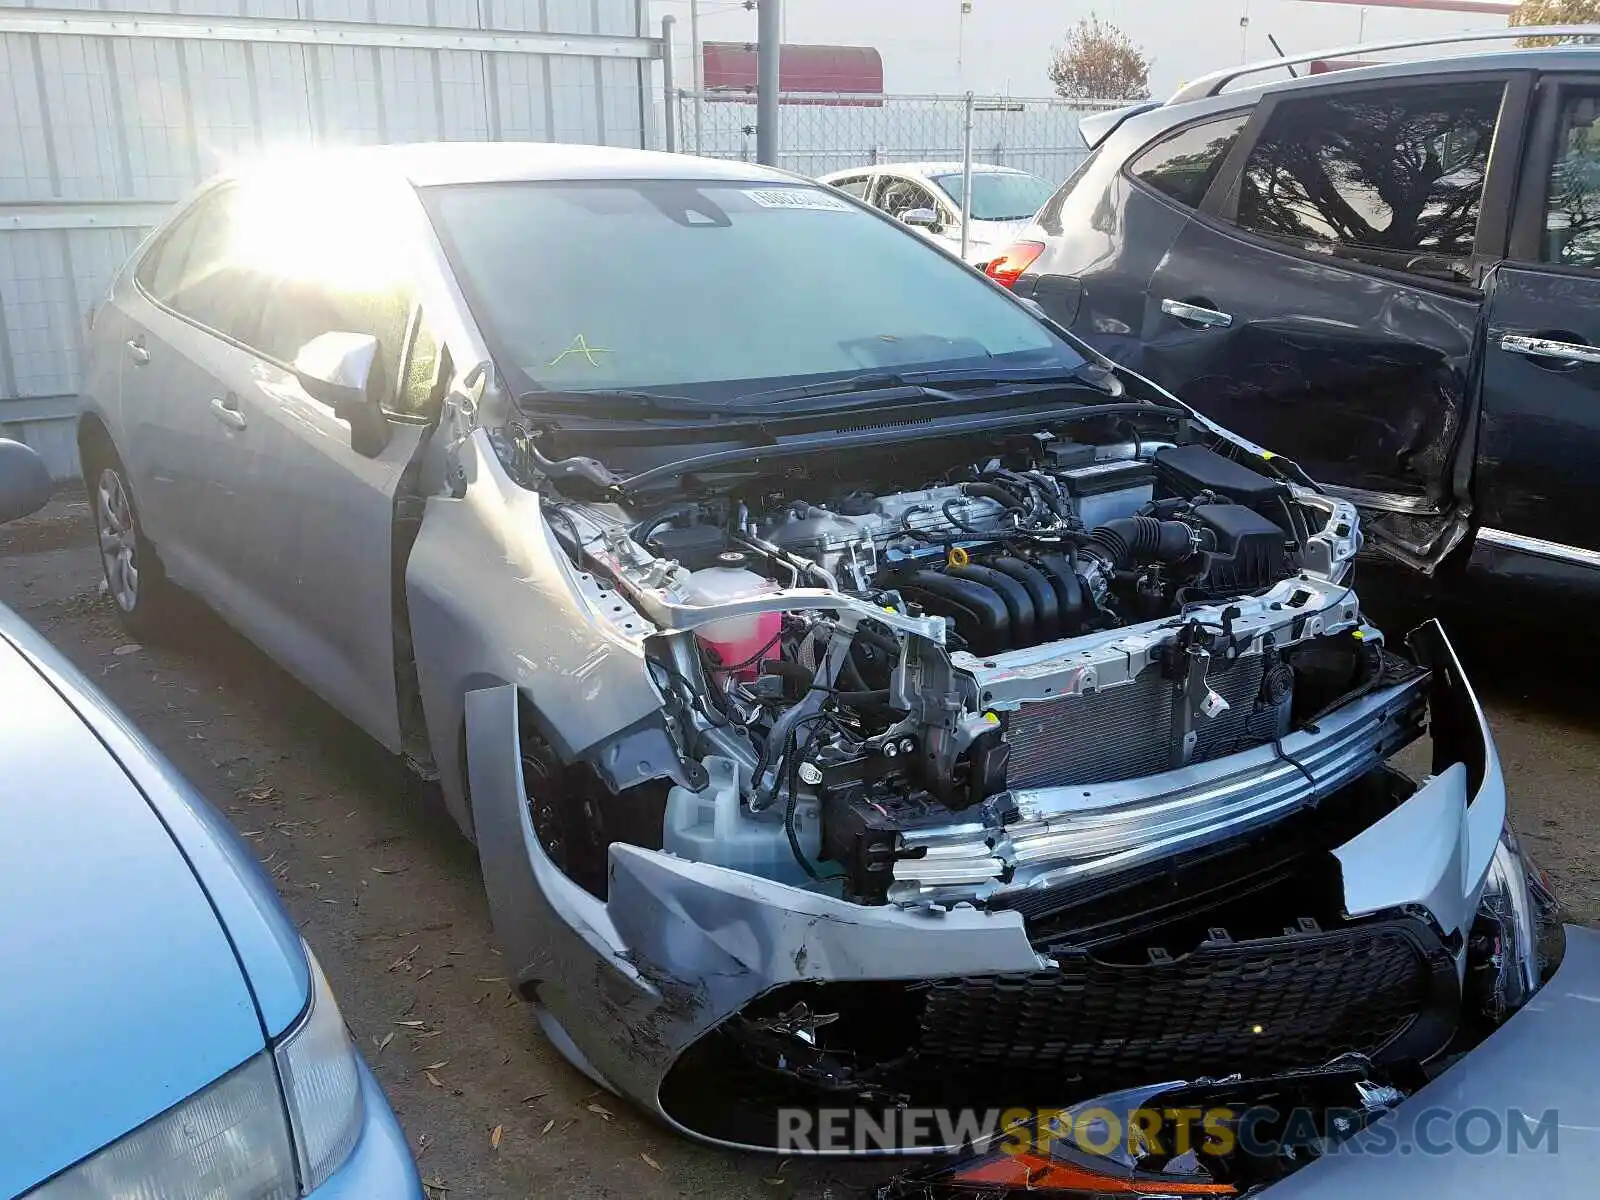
column 860, row 693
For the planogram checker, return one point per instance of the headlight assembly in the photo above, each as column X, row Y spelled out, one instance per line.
column 1518, row 935
column 273, row 1129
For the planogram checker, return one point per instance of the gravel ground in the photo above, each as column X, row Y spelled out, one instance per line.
column 388, row 894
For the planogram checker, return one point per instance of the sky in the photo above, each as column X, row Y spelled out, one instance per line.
column 1005, row 45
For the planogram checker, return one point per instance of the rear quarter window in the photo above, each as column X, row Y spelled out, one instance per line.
column 1183, row 164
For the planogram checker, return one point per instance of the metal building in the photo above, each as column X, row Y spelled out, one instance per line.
column 108, row 115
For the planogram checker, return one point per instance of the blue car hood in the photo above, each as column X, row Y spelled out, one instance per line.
column 121, row 993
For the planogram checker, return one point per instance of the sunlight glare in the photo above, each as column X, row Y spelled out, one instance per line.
column 337, row 233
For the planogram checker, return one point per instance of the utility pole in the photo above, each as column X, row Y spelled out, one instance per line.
column 1244, row 33
column 669, row 81
column 769, row 34
column 697, row 71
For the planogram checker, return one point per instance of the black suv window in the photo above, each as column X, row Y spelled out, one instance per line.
column 1572, row 211
column 1392, row 178
column 1183, row 164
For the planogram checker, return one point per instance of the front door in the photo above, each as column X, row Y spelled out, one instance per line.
column 1539, row 453
column 317, row 565
column 1324, row 302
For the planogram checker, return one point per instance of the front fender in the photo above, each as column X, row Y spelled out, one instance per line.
column 492, row 600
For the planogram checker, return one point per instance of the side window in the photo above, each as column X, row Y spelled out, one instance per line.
column 1572, row 209
column 196, row 271
column 898, row 196
column 1183, row 165
column 855, row 186
column 335, row 260
column 1391, row 178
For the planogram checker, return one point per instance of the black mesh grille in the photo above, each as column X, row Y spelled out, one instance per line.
column 1312, row 996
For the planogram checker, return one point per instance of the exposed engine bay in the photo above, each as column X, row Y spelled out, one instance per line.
column 848, row 670
column 1111, row 694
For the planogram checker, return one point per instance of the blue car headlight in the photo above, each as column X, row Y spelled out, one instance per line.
column 273, row 1129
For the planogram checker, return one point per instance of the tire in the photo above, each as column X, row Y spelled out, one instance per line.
column 133, row 574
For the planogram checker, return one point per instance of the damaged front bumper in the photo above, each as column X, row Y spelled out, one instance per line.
column 628, row 986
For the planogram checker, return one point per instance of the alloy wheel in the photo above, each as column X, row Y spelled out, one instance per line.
column 118, row 530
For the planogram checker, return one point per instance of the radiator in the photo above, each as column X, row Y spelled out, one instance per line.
column 1126, row 731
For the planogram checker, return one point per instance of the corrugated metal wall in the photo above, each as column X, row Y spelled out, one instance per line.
column 110, row 112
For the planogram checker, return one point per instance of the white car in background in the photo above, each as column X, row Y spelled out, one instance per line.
column 927, row 196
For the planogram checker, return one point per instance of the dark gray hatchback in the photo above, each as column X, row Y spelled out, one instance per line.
column 1390, row 274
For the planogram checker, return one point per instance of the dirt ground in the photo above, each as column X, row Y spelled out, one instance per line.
column 387, row 892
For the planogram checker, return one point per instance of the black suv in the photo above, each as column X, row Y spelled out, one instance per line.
column 1390, row 274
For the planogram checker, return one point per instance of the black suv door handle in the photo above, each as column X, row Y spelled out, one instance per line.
column 1197, row 315
column 1549, row 352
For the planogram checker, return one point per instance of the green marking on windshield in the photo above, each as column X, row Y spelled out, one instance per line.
column 580, row 345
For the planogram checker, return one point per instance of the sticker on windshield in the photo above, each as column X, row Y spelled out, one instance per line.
column 808, row 198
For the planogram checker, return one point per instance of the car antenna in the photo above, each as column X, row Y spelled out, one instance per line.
column 1293, row 74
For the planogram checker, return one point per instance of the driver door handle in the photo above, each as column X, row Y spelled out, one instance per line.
column 1538, row 347
column 1194, row 314
column 226, row 410
column 137, row 352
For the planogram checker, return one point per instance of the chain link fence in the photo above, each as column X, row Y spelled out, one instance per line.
column 822, row 132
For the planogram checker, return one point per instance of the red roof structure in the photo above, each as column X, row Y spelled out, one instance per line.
column 855, row 70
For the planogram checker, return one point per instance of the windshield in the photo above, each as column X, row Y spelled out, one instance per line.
column 1000, row 195
column 688, row 285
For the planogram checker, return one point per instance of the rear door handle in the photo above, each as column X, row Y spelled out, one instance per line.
column 1546, row 348
column 137, row 352
column 226, row 410
column 1195, row 314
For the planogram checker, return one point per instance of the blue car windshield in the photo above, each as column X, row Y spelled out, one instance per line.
column 718, row 288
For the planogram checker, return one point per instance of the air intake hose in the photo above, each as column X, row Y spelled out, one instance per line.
column 1129, row 541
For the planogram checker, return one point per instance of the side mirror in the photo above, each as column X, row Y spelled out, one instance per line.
column 921, row 218
column 24, row 481
column 337, row 369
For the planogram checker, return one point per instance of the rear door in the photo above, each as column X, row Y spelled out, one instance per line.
column 181, row 311
column 1540, row 434
column 1108, row 228
column 1325, row 300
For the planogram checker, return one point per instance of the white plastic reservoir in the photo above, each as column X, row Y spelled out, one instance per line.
column 713, row 826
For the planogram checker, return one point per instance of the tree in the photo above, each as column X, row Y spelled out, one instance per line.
column 1100, row 62
column 1556, row 12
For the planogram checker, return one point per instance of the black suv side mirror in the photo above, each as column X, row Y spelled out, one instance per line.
column 24, row 481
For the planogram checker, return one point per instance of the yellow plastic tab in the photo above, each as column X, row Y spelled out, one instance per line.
column 991, row 718
column 957, row 557
column 1268, row 455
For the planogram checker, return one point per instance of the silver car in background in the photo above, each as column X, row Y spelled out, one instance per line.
column 927, row 197
column 858, row 690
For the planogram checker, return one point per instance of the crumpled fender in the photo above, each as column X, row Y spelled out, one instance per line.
column 492, row 601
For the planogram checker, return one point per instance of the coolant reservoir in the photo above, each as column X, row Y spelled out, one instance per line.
column 738, row 639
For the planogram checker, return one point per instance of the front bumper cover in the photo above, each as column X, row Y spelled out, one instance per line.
column 625, row 986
